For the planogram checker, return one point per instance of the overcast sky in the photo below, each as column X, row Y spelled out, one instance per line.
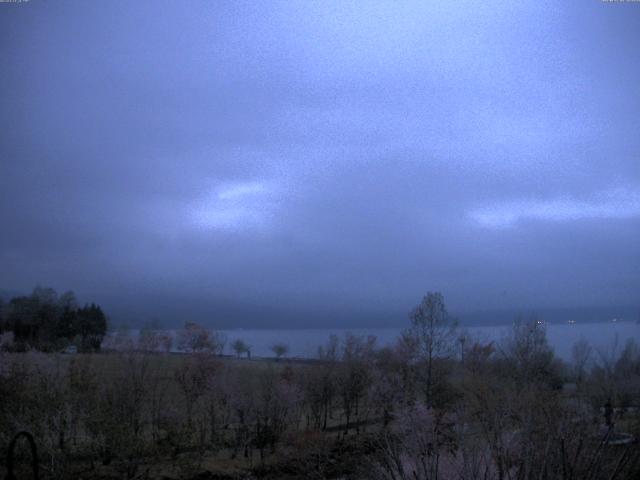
column 308, row 163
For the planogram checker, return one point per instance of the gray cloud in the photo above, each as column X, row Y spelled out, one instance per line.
column 306, row 163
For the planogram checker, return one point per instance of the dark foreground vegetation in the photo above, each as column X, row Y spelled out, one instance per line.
column 437, row 405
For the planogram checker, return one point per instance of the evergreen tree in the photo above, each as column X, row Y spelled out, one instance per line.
column 42, row 320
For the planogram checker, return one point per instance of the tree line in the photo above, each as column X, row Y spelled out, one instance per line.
column 47, row 321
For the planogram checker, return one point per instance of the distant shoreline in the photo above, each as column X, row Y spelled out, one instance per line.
column 115, row 329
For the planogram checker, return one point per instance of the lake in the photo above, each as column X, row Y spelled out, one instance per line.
column 603, row 337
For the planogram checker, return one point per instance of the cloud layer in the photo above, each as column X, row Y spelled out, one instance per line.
column 618, row 204
column 313, row 163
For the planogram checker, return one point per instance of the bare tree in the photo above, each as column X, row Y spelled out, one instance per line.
column 195, row 338
column 319, row 383
column 355, row 377
column 275, row 403
column 415, row 446
column 118, row 421
column 121, row 340
column 527, row 351
column 149, row 337
column 581, row 355
column 239, row 346
column 194, row 378
column 433, row 335
column 393, row 381
column 280, row 350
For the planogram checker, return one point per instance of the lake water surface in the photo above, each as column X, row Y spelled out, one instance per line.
column 603, row 337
